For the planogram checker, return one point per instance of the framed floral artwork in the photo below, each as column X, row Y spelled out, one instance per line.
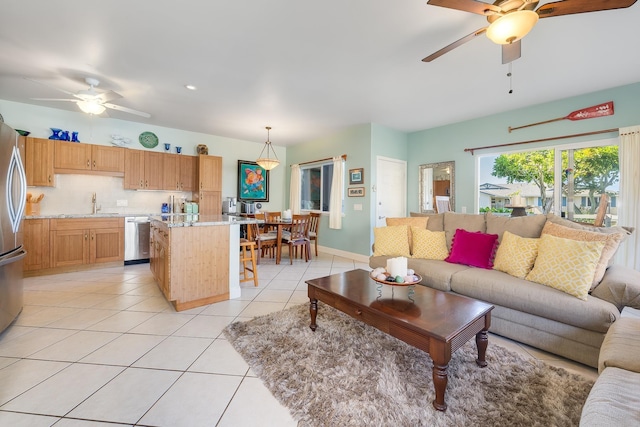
column 253, row 182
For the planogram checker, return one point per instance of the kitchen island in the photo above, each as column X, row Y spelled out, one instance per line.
column 195, row 258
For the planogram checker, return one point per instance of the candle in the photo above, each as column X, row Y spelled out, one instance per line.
column 397, row 266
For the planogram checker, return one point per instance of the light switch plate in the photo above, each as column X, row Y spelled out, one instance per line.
column 122, row 203
column 357, row 207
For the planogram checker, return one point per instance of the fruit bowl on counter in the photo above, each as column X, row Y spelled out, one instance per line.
column 381, row 275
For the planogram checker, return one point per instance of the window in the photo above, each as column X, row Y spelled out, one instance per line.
column 316, row 187
column 566, row 180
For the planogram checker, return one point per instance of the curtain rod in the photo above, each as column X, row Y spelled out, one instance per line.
column 575, row 135
column 344, row 157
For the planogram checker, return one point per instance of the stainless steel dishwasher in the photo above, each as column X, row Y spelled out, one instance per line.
column 136, row 239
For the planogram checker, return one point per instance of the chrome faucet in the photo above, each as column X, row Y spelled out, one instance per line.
column 95, row 204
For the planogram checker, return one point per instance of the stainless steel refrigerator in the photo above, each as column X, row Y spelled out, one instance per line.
column 13, row 197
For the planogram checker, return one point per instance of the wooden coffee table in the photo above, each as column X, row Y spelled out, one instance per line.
column 436, row 322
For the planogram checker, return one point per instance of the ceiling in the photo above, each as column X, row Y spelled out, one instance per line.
column 306, row 68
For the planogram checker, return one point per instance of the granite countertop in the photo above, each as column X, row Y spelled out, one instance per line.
column 97, row 215
column 199, row 220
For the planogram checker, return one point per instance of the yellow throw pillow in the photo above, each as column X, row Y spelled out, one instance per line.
column 611, row 243
column 565, row 264
column 420, row 222
column 429, row 244
column 391, row 241
column 516, row 255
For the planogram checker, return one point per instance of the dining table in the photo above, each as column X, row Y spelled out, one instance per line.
column 279, row 225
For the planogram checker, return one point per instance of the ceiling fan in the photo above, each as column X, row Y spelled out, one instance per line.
column 511, row 20
column 90, row 100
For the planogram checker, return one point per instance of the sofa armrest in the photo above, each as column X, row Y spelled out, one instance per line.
column 620, row 286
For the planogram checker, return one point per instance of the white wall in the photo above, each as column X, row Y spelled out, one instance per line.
column 72, row 193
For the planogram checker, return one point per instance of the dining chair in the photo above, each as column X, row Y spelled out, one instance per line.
column 248, row 261
column 264, row 241
column 271, row 216
column 314, row 225
column 442, row 204
column 298, row 235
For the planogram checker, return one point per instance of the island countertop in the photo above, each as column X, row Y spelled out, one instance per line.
column 198, row 220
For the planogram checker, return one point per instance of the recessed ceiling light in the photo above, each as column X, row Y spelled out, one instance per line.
column 190, row 87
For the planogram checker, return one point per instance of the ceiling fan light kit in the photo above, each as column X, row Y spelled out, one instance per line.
column 512, row 27
column 91, row 107
column 268, row 163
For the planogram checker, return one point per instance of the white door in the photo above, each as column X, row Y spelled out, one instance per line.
column 391, row 189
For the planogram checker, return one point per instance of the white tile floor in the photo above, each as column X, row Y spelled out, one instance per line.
column 99, row 347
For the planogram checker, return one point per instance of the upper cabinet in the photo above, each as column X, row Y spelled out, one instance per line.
column 153, row 170
column 209, row 173
column 73, row 157
column 188, row 173
column 134, row 170
column 39, row 162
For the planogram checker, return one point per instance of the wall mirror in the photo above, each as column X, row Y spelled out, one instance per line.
column 437, row 180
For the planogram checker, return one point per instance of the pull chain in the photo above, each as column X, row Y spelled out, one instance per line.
column 510, row 75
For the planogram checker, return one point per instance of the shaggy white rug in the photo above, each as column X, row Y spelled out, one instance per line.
column 347, row 373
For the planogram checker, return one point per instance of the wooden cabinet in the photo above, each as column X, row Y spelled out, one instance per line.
column 171, row 172
column 36, row 242
column 153, row 170
column 209, row 173
column 188, row 173
column 86, row 241
column 39, row 162
column 191, row 264
column 134, row 170
column 209, row 195
column 73, row 157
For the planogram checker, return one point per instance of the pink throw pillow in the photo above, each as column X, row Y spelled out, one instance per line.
column 476, row 249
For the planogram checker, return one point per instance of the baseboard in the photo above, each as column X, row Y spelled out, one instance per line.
column 344, row 254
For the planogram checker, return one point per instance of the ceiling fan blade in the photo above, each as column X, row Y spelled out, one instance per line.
column 570, row 7
column 467, row 6
column 54, row 99
column 127, row 110
column 50, row 86
column 109, row 96
column 511, row 51
column 454, row 45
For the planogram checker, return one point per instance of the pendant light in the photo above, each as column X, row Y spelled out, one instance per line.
column 267, row 162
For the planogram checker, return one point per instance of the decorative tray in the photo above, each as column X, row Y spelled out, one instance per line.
column 388, row 282
column 148, row 139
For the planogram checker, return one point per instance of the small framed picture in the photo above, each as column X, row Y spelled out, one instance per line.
column 356, row 176
column 356, row 192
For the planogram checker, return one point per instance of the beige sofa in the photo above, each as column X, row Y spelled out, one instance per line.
column 526, row 311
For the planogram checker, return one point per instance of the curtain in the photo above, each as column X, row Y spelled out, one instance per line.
column 629, row 208
column 335, row 203
column 295, row 190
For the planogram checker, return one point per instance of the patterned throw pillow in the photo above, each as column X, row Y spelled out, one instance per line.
column 410, row 222
column 611, row 243
column 429, row 244
column 565, row 264
column 473, row 248
column 516, row 255
column 391, row 241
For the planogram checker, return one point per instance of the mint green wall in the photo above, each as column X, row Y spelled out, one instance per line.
column 355, row 142
column 448, row 142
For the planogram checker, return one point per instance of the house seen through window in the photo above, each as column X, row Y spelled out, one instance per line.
column 315, row 186
column 567, row 180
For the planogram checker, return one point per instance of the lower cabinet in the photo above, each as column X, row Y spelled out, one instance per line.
column 159, row 258
column 36, row 242
column 86, row 241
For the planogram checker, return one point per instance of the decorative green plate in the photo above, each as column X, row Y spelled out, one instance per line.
column 148, row 139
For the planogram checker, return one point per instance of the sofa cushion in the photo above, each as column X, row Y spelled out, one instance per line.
column 516, row 255
column 565, row 264
column 499, row 288
column 613, row 400
column 621, row 346
column 409, row 222
column 436, row 274
column 620, row 287
column 469, row 222
column 473, row 248
column 392, row 240
column 524, row 226
column 429, row 244
column 436, row 221
column 612, row 241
